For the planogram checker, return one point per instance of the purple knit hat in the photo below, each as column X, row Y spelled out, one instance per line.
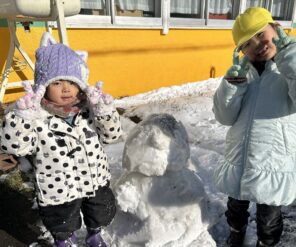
column 56, row 61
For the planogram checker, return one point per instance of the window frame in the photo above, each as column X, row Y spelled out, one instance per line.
column 164, row 21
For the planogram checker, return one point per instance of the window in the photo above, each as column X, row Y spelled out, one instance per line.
column 221, row 9
column 218, row 9
column 280, row 9
column 166, row 14
column 139, row 8
column 186, row 9
column 131, row 8
column 95, row 7
column 221, row 13
column 137, row 13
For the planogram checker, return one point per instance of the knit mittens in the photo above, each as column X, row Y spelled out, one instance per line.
column 101, row 103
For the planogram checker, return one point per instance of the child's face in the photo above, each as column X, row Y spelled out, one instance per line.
column 261, row 48
column 62, row 92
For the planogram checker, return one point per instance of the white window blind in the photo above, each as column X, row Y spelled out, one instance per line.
column 220, row 6
column 144, row 5
column 185, row 6
column 92, row 4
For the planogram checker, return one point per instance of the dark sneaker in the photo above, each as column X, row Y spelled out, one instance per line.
column 95, row 240
column 70, row 242
column 236, row 238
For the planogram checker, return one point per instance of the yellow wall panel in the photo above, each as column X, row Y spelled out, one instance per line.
column 134, row 61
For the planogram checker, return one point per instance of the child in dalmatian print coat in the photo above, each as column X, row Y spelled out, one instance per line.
column 63, row 123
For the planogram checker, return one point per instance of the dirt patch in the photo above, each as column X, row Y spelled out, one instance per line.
column 18, row 219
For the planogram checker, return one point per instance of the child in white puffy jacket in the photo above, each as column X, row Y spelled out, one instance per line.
column 63, row 123
column 257, row 99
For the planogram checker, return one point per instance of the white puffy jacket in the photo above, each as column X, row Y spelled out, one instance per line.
column 260, row 157
column 69, row 162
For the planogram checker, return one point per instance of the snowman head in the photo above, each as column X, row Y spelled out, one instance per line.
column 157, row 144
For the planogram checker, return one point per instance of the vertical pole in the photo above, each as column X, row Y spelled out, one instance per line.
column 165, row 15
column 4, row 81
column 112, row 9
column 206, row 12
column 59, row 8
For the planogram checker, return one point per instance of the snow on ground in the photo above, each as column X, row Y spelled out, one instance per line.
column 191, row 105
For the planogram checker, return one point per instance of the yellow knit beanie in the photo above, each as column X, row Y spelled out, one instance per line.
column 249, row 23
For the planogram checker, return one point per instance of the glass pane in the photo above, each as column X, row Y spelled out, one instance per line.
column 186, row 8
column 221, row 9
column 281, row 10
column 138, row 8
column 256, row 3
column 93, row 7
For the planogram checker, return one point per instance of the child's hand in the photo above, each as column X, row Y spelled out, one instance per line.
column 7, row 162
column 101, row 102
column 238, row 71
column 283, row 40
column 28, row 106
column 96, row 95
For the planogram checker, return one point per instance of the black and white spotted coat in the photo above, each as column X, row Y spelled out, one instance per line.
column 69, row 162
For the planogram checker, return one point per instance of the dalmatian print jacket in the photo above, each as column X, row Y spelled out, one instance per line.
column 69, row 161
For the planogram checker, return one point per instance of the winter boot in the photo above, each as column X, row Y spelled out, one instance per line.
column 236, row 238
column 260, row 244
column 69, row 242
column 94, row 239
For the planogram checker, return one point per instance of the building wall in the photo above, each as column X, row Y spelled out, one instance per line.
column 131, row 61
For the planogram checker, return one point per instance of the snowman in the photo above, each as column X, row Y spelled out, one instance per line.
column 160, row 201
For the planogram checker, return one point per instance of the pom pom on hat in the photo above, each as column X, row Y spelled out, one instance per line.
column 249, row 23
column 55, row 61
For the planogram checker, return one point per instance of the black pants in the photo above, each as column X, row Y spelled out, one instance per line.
column 62, row 220
column 269, row 219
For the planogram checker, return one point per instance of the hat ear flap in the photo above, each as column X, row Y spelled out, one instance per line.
column 47, row 40
column 83, row 55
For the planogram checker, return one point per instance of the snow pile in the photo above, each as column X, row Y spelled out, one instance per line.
column 161, row 201
column 166, row 195
column 195, row 89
